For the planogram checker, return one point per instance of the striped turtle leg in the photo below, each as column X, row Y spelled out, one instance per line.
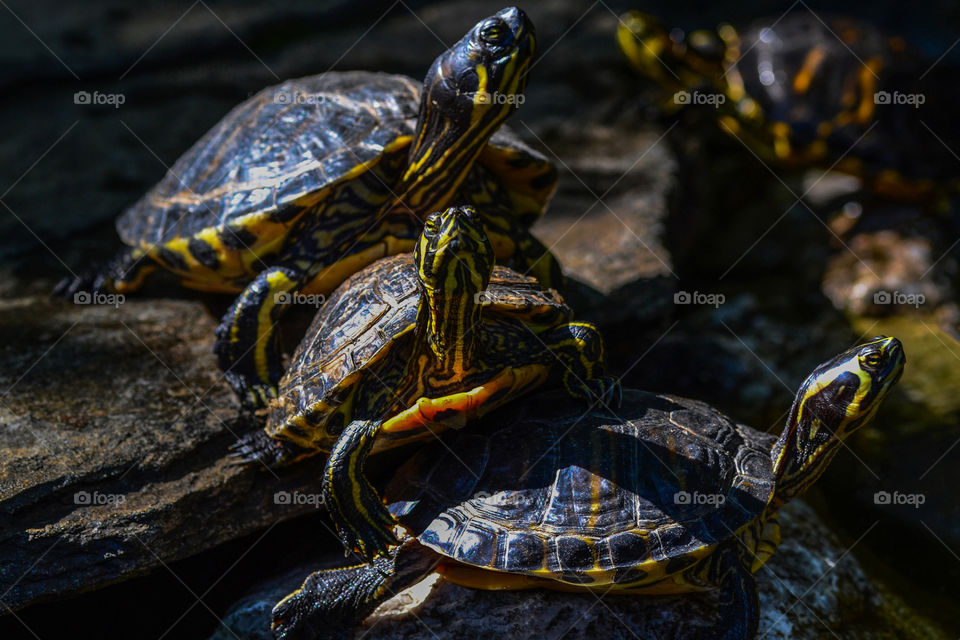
column 332, row 602
column 124, row 273
column 356, row 508
column 578, row 346
column 728, row 569
column 248, row 345
column 359, row 516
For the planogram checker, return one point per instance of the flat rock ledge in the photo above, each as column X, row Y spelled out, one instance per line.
column 116, row 427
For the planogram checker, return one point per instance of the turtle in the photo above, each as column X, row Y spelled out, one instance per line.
column 410, row 346
column 804, row 91
column 667, row 496
column 310, row 180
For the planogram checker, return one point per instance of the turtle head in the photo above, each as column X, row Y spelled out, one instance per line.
column 454, row 262
column 669, row 57
column 839, row 397
column 467, row 94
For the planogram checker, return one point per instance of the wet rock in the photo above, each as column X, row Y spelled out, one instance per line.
column 810, row 588
column 114, row 443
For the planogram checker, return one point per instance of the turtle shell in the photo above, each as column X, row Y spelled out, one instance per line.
column 539, row 488
column 825, row 84
column 373, row 312
column 295, row 139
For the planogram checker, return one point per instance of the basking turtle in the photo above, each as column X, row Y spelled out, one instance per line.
column 801, row 91
column 412, row 345
column 310, row 180
column 671, row 496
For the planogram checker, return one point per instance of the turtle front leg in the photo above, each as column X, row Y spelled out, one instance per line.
column 124, row 273
column 728, row 569
column 579, row 348
column 332, row 602
column 248, row 344
column 358, row 513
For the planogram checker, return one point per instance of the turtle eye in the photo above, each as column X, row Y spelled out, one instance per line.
column 873, row 359
column 431, row 225
column 493, row 32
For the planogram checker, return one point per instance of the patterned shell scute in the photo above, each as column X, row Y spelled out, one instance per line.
column 366, row 314
column 563, row 495
column 284, row 142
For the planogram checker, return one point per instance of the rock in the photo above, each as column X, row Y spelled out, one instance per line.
column 606, row 224
column 901, row 268
column 811, row 587
column 114, row 446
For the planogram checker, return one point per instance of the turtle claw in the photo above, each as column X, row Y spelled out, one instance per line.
column 364, row 527
column 257, row 446
column 367, row 541
column 89, row 282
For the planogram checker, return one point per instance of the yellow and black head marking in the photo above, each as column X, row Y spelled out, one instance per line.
column 468, row 93
column 454, row 262
column 838, row 398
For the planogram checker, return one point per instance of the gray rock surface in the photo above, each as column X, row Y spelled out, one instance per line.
column 114, row 446
column 812, row 588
